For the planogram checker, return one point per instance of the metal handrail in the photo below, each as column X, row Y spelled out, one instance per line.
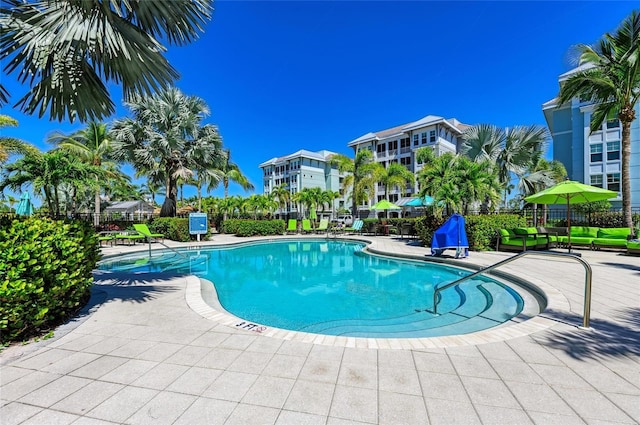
column 587, row 281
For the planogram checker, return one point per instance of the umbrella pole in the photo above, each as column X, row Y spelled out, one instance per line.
column 569, row 224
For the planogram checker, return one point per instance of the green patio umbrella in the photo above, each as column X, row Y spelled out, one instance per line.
column 25, row 207
column 385, row 205
column 570, row 192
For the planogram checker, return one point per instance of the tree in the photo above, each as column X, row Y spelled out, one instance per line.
column 67, row 50
column 92, row 145
column 610, row 78
column 361, row 176
column 208, row 157
column 46, row 173
column 396, row 175
column 230, row 172
column 162, row 139
column 512, row 150
column 282, row 195
column 11, row 145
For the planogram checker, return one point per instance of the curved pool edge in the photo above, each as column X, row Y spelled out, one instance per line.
column 509, row 330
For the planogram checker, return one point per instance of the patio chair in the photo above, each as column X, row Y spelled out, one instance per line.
column 130, row 238
column 292, row 226
column 306, row 226
column 356, row 227
column 323, row 226
column 144, row 231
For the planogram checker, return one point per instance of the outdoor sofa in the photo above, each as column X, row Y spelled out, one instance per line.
column 523, row 239
column 597, row 237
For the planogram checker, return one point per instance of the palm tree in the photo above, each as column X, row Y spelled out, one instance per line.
column 208, row 157
column 610, row 78
column 439, row 178
column 47, row 173
column 361, row 176
column 11, row 145
column 512, row 150
column 67, row 50
column 92, row 145
column 230, row 172
column 282, row 195
column 396, row 175
column 162, row 139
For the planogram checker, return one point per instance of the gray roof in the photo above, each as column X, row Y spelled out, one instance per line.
column 322, row 155
column 129, row 205
column 398, row 131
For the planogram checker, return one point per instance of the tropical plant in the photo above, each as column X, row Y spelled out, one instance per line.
column 11, row 145
column 610, row 78
column 396, row 175
column 282, row 196
column 46, row 173
column 541, row 175
column 162, row 140
column 512, row 150
column 67, row 50
column 229, row 172
column 92, row 145
column 361, row 176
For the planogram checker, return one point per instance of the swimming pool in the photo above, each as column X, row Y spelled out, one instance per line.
column 334, row 288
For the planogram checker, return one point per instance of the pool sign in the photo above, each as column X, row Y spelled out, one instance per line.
column 198, row 224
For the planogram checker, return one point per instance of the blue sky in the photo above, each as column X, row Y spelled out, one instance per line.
column 283, row 76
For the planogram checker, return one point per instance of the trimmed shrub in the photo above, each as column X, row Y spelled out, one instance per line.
column 174, row 228
column 481, row 229
column 45, row 273
column 254, row 227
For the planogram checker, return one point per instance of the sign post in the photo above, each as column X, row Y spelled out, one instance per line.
column 198, row 223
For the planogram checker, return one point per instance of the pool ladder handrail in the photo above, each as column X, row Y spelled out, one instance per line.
column 587, row 282
column 166, row 246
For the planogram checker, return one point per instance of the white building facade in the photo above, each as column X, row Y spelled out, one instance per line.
column 592, row 158
column 304, row 169
column 399, row 145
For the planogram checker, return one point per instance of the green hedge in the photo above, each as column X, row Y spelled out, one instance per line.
column 481, row 229
column 45, row 273
column 174, row 228
column 254, row 227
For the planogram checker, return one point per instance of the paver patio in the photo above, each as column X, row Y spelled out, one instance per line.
column 139, row 354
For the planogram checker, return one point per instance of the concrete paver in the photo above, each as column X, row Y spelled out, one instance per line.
column 140, row 355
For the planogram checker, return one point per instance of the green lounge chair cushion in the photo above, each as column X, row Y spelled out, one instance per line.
column 525, row 231
column 633, row 247
column 144, row 230
column 518, row 242
column 614, row 233
column 581, row 240
column 610, row 241
column 584, row 231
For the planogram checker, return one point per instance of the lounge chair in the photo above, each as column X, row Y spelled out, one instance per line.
column 306, row 226
column 356, row 227
column 130, row 238
column 293, row 226
column 144, row 231
column 109, row 239
column 323, row 226
column 633, row 247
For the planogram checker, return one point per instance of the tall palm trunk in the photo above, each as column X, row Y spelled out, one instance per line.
column 96, row 204
column 625, row 172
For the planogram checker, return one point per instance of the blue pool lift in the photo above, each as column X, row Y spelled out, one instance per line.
column 451, row 235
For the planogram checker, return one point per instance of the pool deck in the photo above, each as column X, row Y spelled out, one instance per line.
column 140, row 354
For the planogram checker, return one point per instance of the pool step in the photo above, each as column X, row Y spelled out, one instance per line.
column 474, row 299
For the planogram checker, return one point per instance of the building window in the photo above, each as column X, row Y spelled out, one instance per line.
column 596, row 180
column 613, row 151
column 596, row 152
column 415, row 139
column 432, row 136
column 613, row 182
column 613, row 123
column 424, row 138
column 381, row 148
column 405, row 161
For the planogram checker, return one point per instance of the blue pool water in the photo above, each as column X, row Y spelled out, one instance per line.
column 331, row 287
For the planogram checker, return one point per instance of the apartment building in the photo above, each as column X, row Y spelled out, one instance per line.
column 592, row 158
column 399, row 144
column 304, row 169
